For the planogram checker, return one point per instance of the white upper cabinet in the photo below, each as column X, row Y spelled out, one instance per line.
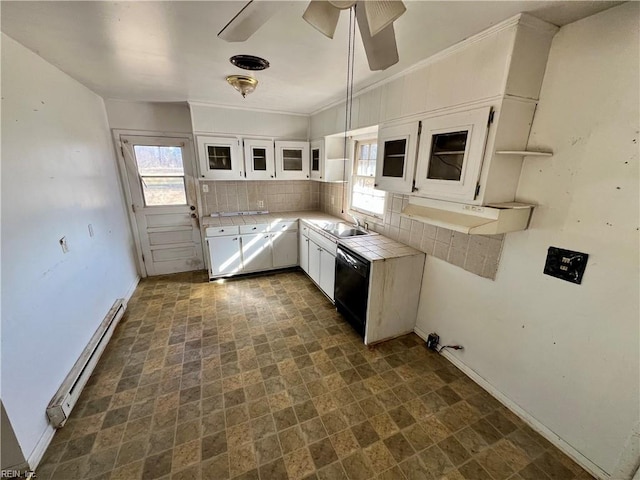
column 450, row 155
column 327, row 159
column 316, row 163
column 220, row 158
column 292, row 160
column 259, row 159
column 395, row 164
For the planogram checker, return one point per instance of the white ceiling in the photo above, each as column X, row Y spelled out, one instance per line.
column 169, row 51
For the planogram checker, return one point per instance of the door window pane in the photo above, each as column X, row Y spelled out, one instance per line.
column 219, row 157
column 161, row 173
column 394, row 158
column 315, row 160
column 259, row 159
column 447, row 156
column 163, row 191
column 292, row 160
column 159, row 161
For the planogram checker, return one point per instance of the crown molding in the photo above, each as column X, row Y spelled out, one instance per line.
column 247, row 109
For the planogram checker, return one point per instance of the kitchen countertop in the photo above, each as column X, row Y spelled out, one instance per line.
column 372, row 247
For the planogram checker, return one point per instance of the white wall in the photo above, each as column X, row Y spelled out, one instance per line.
column 58, row 175
column 155, row 117
column 211, row 119
column 568, row 355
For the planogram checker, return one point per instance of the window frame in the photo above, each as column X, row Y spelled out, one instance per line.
column 357, row 143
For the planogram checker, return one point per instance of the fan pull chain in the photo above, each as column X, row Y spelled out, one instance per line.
column 349, row 98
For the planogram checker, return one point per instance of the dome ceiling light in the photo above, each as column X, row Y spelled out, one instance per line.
column 243, row 83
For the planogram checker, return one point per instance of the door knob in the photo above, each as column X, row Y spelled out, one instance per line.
column 193, row 215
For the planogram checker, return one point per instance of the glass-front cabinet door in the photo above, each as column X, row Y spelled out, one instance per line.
column 450, row 154
column 292, row 160
column 220, row 158
column 396, row 157
column 259, row 159
column 316, row 160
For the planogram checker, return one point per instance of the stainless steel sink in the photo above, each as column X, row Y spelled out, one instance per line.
column 343, row 230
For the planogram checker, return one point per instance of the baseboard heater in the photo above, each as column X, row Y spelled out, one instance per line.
column 67, row 395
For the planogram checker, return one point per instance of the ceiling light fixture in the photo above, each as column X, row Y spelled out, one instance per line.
column 242, row 83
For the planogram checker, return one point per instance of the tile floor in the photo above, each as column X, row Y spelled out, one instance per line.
column 260, row 378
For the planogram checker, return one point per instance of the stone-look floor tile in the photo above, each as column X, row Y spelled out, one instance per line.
column 242, row 459
column 268, row 449
column 200, row 378
column 344, row 443
column 299, row 464
column 379, row 457
column 157, row 466
column 335, row 471
column 186, row 454
column 275, row 470
column 128, row 472
column 399, row 447
column 291, row 439
column 357, row 467
column 394, row 473
column 435, row 461
column 216, row 469
column 418, row 437
column 473, row 471
column 322, row 453
column 454, row 450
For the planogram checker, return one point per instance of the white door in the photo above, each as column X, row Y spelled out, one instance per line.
column 285, row 249
column 259, row 159
column 396, row 157
column 160, row 177
column 314, row 262
column 225, row 255
column 304, row 253
column 220, row 158
column 327, row 273
column 292, row 160
column 256, row 252
column 316, row 160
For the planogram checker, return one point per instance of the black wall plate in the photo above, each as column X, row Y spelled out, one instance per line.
column 565, row 264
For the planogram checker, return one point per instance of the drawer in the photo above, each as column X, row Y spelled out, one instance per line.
column 221, row 231
column 254, row 228
column 304, row 229
column 323, row 242
column 289, row 226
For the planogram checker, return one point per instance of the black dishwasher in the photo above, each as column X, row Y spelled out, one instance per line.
column 352, row 287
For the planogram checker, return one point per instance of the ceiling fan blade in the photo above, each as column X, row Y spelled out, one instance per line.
column 342, row 4
column 252, row 16
column 322, row 16
column 382, row 13
column 381, row 49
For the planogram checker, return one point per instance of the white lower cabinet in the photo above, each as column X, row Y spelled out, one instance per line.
column 256, row 252
column 327, row 272
column 225, row 255
column 304, row 253
column 252, row 248
column 285, row 249
column 318, row 259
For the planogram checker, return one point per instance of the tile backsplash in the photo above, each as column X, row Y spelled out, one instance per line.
column 277, row 195
column 478, row 254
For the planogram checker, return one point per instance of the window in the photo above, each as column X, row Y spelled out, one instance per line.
column 161, row 175
column 364, row 197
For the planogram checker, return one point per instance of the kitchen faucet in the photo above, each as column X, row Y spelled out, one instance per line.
column 356, row 220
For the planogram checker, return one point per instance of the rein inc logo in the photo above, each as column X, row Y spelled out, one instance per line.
column 17, row 474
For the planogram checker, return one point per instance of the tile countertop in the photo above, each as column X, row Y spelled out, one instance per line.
column 372, row 247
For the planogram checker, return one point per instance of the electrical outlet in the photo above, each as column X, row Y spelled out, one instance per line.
column 205, row 188
column 91, row 234
column 64, row 245
column 432, row 341
column 260, row 203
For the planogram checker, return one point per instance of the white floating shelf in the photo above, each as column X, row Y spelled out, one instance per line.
column 524, row 153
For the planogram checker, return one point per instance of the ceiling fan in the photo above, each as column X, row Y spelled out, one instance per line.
column 374, row 17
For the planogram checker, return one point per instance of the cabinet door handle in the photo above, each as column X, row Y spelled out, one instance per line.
column 235, row 239
column 319, row 249
column 267, row 236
